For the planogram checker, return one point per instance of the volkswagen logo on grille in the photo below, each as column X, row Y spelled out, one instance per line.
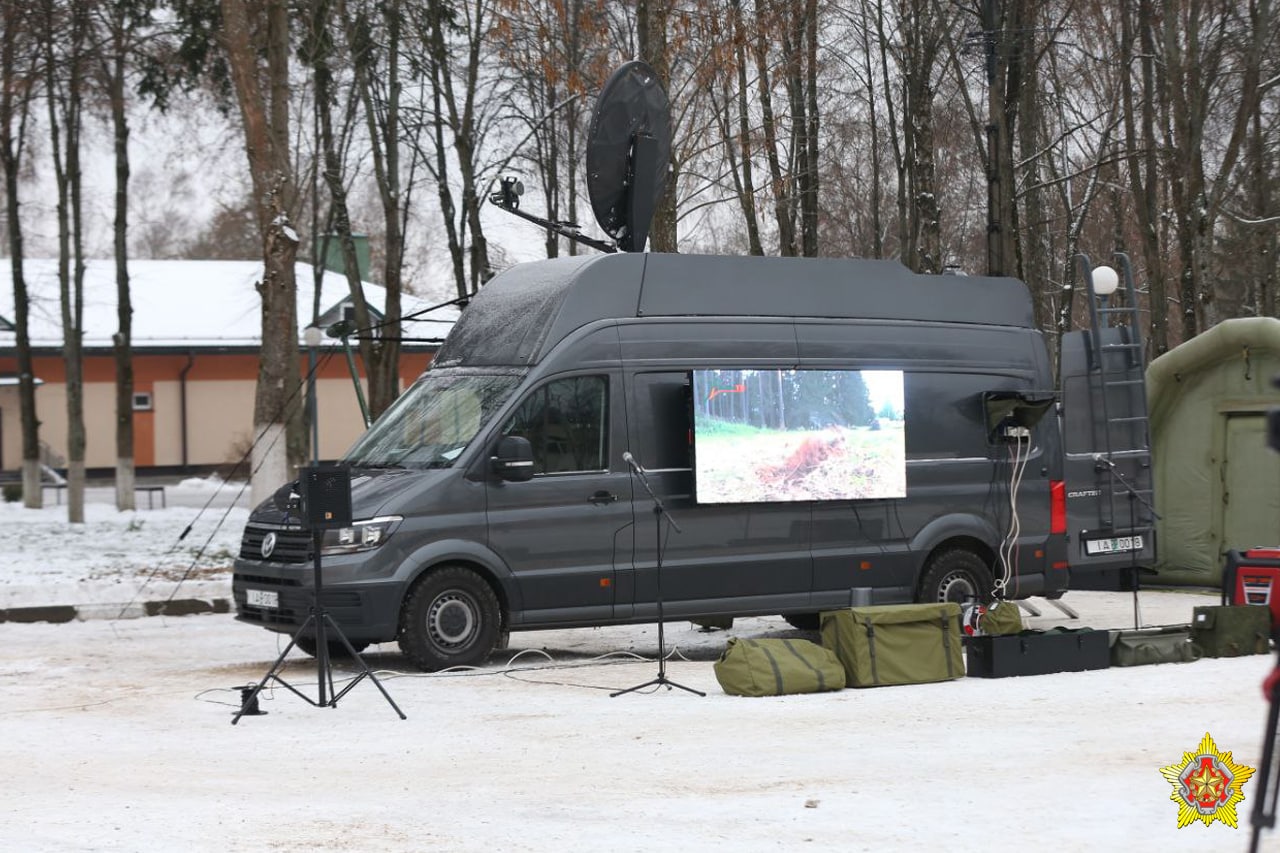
column 268, row 544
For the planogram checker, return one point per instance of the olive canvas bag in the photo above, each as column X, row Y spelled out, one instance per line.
column 776, row 667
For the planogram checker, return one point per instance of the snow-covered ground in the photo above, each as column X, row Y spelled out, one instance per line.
column 117, row 734
column 122, row 558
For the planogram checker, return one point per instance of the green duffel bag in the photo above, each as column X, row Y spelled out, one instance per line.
column 777, row 667
column 1232, row 630
column 896, row 643
column 1142, row 646
column 1002, row 618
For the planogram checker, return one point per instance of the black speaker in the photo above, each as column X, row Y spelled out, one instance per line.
column 326, row 496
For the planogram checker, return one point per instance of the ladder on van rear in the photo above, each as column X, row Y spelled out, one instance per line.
column 1120, row 423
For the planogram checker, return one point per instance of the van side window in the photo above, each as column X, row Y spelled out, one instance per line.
column 565, row 421
column 662, row 402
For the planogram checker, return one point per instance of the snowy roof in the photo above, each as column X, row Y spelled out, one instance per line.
column 191, row 303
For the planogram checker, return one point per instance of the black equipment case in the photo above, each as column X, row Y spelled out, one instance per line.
column 1038, row 653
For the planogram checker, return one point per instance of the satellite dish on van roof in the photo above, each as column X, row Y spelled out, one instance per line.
column 628, row 149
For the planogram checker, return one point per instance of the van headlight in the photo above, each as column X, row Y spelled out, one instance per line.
column 360, row 536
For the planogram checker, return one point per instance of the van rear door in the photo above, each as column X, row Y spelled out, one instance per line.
column 1109, row 494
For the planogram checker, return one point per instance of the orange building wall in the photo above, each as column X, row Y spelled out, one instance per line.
column 219, row 419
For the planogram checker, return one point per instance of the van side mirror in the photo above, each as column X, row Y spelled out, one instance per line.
column 513, row 459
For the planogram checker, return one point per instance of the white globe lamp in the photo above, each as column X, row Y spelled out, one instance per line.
column 1105, row 280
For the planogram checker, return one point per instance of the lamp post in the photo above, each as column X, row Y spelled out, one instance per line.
column 312, row 335
column 1104, row 282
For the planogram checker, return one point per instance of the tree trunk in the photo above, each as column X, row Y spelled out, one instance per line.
column 1034, row 243
column 651, row 35
column 744, row 177
column 122, row 341
column 319, row 50
column 1144, row 166
column 877, row 167
column 16, row 83
column 385, row 376
column 809, row 176
column 779, row 183
column 1266, row 246
column 63, row 41
column 266, row 131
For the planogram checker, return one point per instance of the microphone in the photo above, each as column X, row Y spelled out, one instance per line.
column 631, row 460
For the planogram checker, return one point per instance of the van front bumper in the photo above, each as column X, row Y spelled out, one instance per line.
column 284, row 596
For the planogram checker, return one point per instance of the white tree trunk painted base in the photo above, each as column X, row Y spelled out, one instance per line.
column 126, row 480
column 269, row 462
column 32, row 494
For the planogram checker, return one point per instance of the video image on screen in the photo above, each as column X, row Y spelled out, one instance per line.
column 764, row 436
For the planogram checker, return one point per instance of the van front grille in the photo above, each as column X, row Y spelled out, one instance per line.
column 292, row 544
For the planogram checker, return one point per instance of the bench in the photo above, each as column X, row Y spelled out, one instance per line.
column 152, row 491
column 151, row 495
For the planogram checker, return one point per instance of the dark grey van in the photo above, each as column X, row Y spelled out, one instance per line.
column 494, row 496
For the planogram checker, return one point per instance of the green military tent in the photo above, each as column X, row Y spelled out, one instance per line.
column 1217, row 484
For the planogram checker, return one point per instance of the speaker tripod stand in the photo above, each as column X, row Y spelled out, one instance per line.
column 326, row 502
column 659, row 512
column 325, row 627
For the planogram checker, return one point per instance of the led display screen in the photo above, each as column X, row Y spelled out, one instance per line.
column 764, row 436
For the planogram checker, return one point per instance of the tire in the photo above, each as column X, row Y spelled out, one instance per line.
column 956, row 575
column 450, row 618
column 336, row 649
column 802, row 621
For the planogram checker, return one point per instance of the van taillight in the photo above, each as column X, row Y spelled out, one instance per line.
column 1057, row 506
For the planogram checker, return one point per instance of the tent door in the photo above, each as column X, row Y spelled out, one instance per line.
column 1250, row 482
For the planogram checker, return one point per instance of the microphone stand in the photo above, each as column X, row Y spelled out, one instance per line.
column 1100, row 462
column 659, row 512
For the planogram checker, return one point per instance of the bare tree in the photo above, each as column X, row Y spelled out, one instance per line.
column 64, row 41
column 375, row 35
column 1208, row 48
column 1137, row 47
column 252, row 30
column 558, row 54
column 653, row 46
column 457, row 54
column 122, row 26
column 18, row 80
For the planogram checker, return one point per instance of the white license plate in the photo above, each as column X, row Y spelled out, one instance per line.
column 267, row 598
column 1119, row 545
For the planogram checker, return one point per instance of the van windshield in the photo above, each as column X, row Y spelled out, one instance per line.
column 432, row 423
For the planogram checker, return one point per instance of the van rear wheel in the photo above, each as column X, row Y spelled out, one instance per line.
column 451, row 618
column 956, row 575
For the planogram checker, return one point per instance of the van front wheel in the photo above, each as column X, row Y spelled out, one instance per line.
column 451, row 618
column 309, row 646
column 958, row 576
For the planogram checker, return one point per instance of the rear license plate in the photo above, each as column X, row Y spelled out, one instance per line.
column 1118, row 545
column 267, row 598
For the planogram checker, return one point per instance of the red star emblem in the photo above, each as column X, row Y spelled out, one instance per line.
column 1207, row 784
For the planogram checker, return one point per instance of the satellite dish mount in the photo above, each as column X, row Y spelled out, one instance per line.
column 628, row 149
